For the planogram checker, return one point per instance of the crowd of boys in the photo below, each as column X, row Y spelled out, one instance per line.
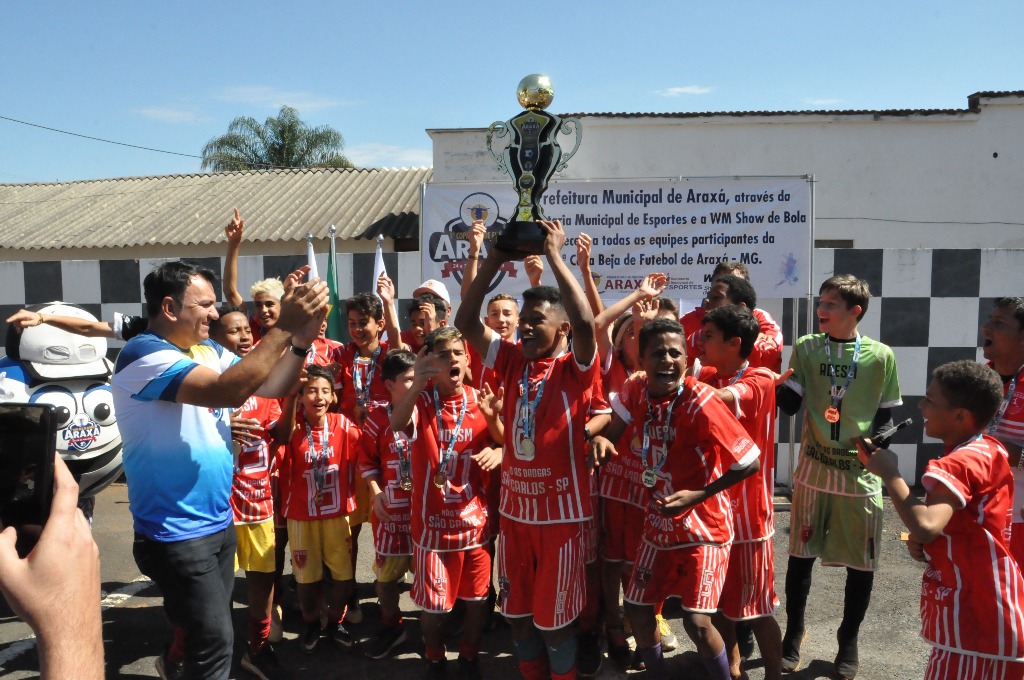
column 551, row 459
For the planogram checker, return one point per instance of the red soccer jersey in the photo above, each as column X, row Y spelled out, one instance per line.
column 620, row 475
column 370, row 376
column 324, row 352
column 410, row 341
column 702, row 441
column 752, row 504
column 972, row 591
column 481, row 374
column 547, row 482
column 767, row 352
column 315, row 485
column 1009, row 428
column 380, row 453
column 251, row 499
column 454, row 515
column 692, row 321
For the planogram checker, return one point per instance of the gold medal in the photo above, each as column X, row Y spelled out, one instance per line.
column 832, row 414
column 439, row 479
column 649, row 478
column 405, row 484
column 527, row 448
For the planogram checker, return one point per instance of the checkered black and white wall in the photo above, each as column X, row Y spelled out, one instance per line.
column 927, row 305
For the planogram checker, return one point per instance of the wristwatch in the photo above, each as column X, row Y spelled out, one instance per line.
column 298, row 351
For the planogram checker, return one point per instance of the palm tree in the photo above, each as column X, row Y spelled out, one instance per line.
column 284, row 141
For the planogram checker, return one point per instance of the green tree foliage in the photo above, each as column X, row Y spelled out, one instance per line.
column 283, row 141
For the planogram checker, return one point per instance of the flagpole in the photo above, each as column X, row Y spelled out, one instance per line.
column 311, row 256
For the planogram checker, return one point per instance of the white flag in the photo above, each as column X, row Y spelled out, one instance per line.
column 311, row 256
column 378, row 265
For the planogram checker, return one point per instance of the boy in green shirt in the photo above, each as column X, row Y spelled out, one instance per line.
column 848, row 386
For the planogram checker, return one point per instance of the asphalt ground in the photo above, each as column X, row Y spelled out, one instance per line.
column 135, row 629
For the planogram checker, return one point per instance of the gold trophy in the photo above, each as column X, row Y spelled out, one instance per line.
column 531, row 156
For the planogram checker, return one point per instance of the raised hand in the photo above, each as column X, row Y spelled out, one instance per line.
column 234, row 230
column 385, row 289
column 476, row 238
column 583, row 248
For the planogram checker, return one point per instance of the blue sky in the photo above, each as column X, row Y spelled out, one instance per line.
column 173, row 75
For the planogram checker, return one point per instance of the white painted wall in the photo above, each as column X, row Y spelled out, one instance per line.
column 885, row 181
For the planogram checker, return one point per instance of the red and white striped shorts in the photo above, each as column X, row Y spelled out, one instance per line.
column 749, row 590
column 693, row 573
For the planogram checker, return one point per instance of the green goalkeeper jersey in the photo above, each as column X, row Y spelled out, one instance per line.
column 828, row 456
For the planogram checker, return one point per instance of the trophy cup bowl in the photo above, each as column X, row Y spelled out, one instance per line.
column 531, row 156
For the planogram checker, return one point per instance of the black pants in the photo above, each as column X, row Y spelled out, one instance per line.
column 196, row 577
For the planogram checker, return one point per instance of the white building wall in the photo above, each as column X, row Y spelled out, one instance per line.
column 884, row 181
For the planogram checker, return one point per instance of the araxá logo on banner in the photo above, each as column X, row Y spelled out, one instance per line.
column 450, row 247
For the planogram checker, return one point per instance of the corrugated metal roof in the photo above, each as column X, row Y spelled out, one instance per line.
column 278, row 205
column 973, row 103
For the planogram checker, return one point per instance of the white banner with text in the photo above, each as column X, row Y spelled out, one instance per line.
column 681, row 228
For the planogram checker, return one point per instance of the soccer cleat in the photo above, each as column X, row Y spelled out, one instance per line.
column 385, row 641
column 339, row 633
column 846, row 661
column 668, row 638
column 469, row 669
column 436, row 669
column 169, row 670
column 311, row 637
column 264, row 665
column 588, row 654
column 791, row 642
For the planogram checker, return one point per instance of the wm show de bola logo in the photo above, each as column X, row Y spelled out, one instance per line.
column 449, row 248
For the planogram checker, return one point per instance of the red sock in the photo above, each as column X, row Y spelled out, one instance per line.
column 436, row 653
column 259, row 632
column 536, row 669
column 468, row 651
column 176, row 652
column 392, row 621
column 571, row 675
column 659, row 607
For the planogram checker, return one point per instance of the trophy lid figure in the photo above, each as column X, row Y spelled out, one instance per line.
column 531, row 157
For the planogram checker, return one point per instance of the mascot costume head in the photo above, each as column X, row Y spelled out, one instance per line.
column 50, row 366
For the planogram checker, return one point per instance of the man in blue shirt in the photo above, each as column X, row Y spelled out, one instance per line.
column 174, row 390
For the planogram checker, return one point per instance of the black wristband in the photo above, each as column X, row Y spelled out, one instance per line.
column 298, row 351
column 586, row 434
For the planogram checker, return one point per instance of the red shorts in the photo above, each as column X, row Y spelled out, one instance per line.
column 749, row 590
column 693, row 573
column 1017, row 543
column 944, row 664
column 540, row 571
column 622, row 526
column 441, row 577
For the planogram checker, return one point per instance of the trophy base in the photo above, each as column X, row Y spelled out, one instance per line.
column 521, row 238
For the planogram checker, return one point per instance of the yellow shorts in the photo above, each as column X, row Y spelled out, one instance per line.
column 317, row 542
column 390, row 568
column 255, row 550
column 364, row 505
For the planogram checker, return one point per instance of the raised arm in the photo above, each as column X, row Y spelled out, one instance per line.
column 93, row 329
column 271, row 362
column 576, row 308
column 534, row 266
column 426, row 367
column 583, row 247
column 233, row 232
column 467, row 319
column 386, row 293
column 476, row 243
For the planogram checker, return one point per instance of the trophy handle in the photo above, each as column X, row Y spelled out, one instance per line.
column 566, row 126
column 497, row 130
